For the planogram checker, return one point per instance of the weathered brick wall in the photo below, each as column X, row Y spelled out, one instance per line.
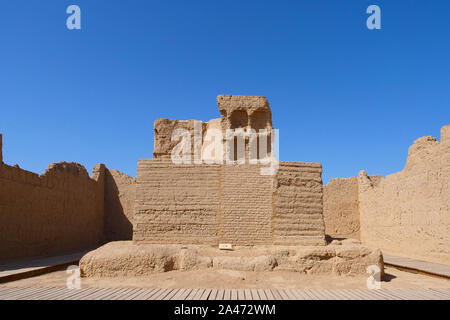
column 341, row 208
column 176, row 203
column 298, row 205
column 246, row 199
column 408, row 213
column 211, row 204
column 57, row 212
column 63, row 209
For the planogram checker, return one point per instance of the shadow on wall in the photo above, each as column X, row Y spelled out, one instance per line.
column 119, row 204
column 330, row 239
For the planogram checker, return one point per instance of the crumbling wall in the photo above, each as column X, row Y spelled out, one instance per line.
column 165, row 128
column 63, row 209
column 244, row 112
column 245, row 115
column 298, row 218
column 341, row 208
column 408, row 213
column 234, row 202
column 57, row 212
column 120, row 195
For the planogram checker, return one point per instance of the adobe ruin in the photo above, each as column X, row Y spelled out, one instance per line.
column 184, row 210
column 406, row 213
column 226, row 203
column 62, row 210
column 173, row 216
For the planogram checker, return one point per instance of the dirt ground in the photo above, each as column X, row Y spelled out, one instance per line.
column 239, row 280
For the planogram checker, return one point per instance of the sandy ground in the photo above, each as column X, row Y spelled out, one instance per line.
column 238, row 280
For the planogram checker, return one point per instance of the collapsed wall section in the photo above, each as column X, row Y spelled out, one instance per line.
column 298, row 218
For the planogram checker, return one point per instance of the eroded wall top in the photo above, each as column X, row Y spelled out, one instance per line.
column 56, row 212
column 244, row 112
column 408, row 213
column 237, row 112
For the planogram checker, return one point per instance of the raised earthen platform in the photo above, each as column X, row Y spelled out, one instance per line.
column 125, row 258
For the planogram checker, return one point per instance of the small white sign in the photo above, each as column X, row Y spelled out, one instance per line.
column 225, row 246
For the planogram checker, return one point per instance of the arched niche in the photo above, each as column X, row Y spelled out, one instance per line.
column 238, row 119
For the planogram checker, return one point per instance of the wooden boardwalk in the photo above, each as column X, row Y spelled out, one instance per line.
column 23, row 269
column 419, row 266
column 25, row 293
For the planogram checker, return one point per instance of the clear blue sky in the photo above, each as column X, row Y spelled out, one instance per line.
column 342, row 95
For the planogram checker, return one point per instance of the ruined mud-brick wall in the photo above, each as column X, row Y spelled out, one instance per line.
column 408, row 213
column 62, row 210
column 298, row 218
column 226, row 203
column 120, row 195
column 211, row 204
column 176, row 203
column 341, row 208
column 163, row 130
column 57, row 212
column 246, row 196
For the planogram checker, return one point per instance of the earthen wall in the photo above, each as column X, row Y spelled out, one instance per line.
column 211, row 204
column 57, row 212
column 62, row 210
column 176, row 203
column 298, row 218
column 120, row 195
column 408, row 213
column 341, row 208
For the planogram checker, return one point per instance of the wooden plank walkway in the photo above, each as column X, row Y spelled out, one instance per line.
column 22, row 269
column 420, row 266
column 25, row 293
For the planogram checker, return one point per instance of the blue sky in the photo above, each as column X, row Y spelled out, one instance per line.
column 342, row 95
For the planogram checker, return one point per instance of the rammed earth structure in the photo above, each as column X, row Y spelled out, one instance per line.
column 185, row 209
